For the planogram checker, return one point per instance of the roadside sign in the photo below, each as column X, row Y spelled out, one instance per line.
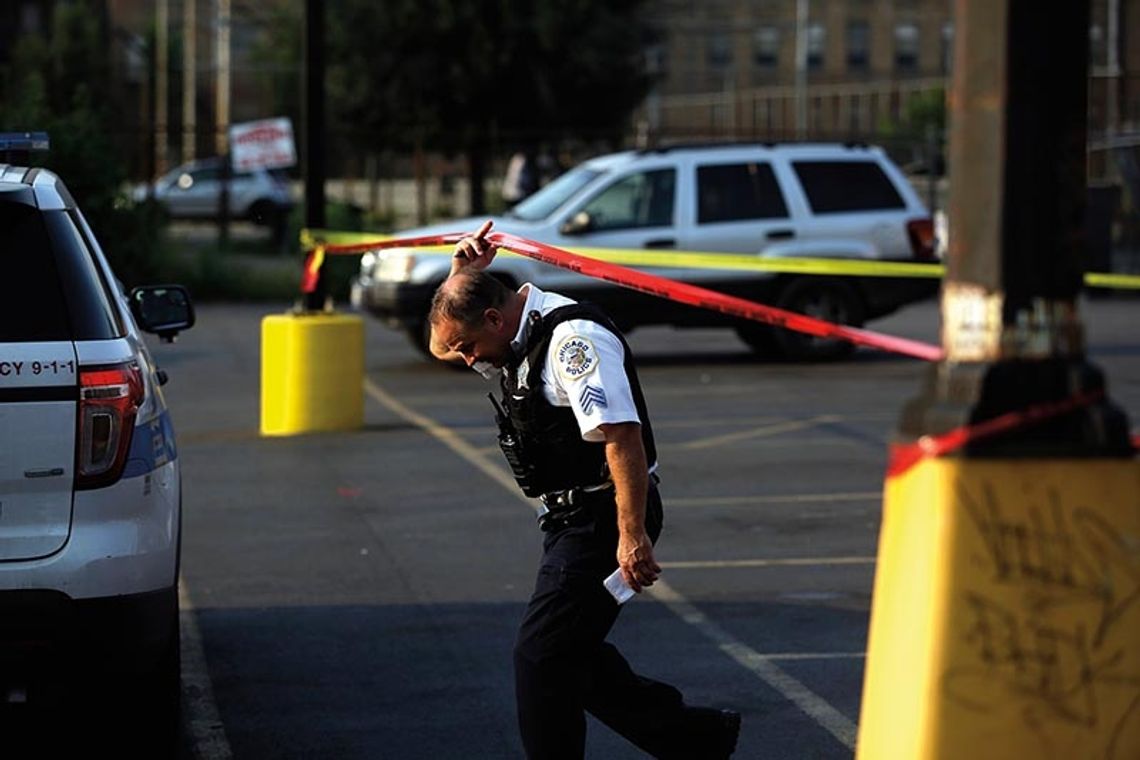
column 266, row 143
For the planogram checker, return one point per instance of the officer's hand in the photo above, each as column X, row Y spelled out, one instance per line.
column 474, row 251
column 635, row 558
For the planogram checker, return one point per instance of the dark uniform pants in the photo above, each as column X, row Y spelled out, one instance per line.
column 563, row 664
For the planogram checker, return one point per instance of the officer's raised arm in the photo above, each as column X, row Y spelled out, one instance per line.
column 474, row 251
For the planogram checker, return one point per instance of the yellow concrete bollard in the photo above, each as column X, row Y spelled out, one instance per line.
column 1006, row 617
column 312, row 373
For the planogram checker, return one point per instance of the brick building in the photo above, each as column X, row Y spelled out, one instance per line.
column 729, row 66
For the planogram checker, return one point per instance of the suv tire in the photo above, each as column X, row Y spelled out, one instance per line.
column 158, row 697
column 166, row 689
column 760, row 338
column 825, row 298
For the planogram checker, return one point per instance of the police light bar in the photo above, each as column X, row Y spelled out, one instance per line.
column 24, row 141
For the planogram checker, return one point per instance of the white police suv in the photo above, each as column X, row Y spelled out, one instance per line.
column 823, row 200
column 90, row 496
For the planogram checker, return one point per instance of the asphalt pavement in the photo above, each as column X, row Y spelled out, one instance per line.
column 355, row 595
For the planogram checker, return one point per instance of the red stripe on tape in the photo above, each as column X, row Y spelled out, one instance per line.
column 906, row 455
column 310, row 273
column 710, row 299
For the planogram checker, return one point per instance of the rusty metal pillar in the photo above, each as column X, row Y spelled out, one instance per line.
column 1006, row 612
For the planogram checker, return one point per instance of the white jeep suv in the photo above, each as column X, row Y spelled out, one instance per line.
column 801, row 200
column 90, row 495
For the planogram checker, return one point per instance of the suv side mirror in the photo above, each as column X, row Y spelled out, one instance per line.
column 162, row 309
column 577, row 224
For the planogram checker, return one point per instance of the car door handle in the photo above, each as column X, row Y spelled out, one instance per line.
column 661, row 243
column 780, row 234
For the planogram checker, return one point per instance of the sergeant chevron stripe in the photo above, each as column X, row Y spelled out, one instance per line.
column 591, row 397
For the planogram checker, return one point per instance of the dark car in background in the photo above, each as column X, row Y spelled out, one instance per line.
column 194, row 191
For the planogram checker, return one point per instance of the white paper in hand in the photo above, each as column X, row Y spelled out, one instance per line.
column 618, row 588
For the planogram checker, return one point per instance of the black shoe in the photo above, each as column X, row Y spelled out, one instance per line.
column 718, row 731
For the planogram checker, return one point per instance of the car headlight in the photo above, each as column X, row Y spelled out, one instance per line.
column 396, row 267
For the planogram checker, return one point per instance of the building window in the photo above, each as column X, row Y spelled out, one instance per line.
column 906, row 47
column 816, row 40
column 766, row 47
column 656, row 60
column 718, row 50
column 1098, row 51
column 858, row 46
column 947, row 47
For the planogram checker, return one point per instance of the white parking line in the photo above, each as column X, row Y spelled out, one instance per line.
column 763, row 667
column 775, row 562
column 787, row 426
column 787, row 498
column 795, row 656
column 200, row 715
column 815, row 706
column 449, row 438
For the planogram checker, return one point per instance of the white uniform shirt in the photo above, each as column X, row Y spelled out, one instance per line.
column 584, row 368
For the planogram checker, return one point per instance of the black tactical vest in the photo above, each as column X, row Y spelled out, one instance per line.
column 542, row 442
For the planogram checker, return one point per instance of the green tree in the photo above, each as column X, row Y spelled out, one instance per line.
column 462, row 75
column 922, row 131
column 58, row 85
column 278, row 52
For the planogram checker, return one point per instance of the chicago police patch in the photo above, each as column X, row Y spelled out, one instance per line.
column 576, row 357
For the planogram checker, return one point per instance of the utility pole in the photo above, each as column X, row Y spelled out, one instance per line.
column 222, row 120
column 1004, row 621
column 801, row 68
column 313, row 158
column 189, row 79
column 162, row 68
column 1112, row 66
column 222, row 81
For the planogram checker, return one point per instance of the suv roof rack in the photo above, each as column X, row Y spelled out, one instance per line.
column 15, row 173
column 698, row 144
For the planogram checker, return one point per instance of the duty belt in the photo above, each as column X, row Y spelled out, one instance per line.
column 560, row 509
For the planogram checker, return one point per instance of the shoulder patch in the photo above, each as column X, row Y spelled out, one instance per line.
column 576, row 357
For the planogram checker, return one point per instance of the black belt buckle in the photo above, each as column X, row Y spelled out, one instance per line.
column 557, row 500
column 559, row 510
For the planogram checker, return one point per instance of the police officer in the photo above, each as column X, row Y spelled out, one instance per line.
column 574, row 428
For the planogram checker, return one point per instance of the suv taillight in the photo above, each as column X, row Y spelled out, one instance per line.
column 921, row 235
column 109, row 399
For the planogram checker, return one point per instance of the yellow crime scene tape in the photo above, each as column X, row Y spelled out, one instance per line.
column 710, row 260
